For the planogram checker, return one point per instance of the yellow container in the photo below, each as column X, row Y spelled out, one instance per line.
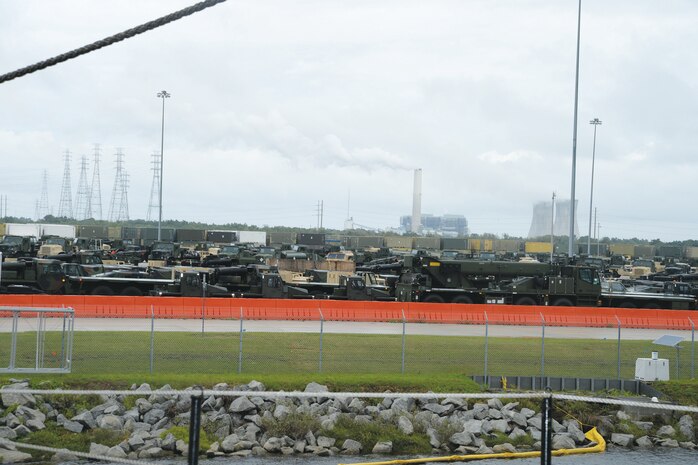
column 622, row 249
column 538, row 247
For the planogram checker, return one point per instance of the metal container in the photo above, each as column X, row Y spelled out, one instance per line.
column 454, row 243
column 669, row 251
column 398, row 242
column 538, row 247
column 362, row 242
column 644, row 251
column 508, row 245
column 114, row 232
column 191, row 235
column 93, row 232
column 428, row 243
column 221, row 237
column 129, row 232
column 622, row 249
column 311, row 239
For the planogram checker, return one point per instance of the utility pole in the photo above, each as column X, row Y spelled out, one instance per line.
column 570, row 249
column 163, row 95
column 595, row 122
column 598, row 238
column 552, row 229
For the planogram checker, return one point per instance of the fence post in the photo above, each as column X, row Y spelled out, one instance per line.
column 542, row 351
column 693, row 348
column 402, row 370
column 203, row 305
column 240, row 351
column 547, row 433
column 322, row 332
column 194, row 428
column 487, row 330
column 618, row 320
column 152, row 338
column 15, row 329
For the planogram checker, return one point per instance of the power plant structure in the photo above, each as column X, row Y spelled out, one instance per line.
column 543, row 219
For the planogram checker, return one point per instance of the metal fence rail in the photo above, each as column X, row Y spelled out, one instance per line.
column 405, row 345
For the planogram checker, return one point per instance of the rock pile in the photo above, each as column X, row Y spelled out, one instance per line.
column 243, row 426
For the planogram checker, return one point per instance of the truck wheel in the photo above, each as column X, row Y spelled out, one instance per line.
column 463, row 299
column 132, row 290
column 102, row 290
column 525, row 301
column 434, row 299
column 651, row 305
column 563, row 302
column 628, row 305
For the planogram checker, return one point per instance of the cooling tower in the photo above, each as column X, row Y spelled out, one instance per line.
column 562, row 218
column 542, row 220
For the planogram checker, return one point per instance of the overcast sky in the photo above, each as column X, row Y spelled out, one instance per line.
column 277, row 105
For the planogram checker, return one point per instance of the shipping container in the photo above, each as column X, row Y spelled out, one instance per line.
column 131, row 233
column 278, row 238
column 398, row 242
column 366, row 242
column 538, row 247
column 66, row 231
column 427, row 243
column 669, row 251
column 151, row 234
column 114, row 232
column 221, row 237
column 191, row 235
column 93, row 232
column 599, row 249
column 454, row 243
column 691, row 252
column 311, row 239
column 644, row 251
column 20, row 229
column 507, row 245
column 627, row 250
column 334, row 240
column 480, row 245
column 252, row 237
column 2, row 229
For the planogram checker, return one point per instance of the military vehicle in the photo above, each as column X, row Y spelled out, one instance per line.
column 17, row 246
column 648, row 294
column 33, row 276
column 191, row 284
column 163, row 253
column 430, row 279
column 256, row 281
column 351, row 287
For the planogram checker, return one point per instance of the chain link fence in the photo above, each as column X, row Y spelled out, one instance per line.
column 214, row 346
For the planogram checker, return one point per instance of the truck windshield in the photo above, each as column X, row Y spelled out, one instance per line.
column 12, row 240
column 589, row 275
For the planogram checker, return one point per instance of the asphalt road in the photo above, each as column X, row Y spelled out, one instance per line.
column 344, row 327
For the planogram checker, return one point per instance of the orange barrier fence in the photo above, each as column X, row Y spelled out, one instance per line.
column 332, row 310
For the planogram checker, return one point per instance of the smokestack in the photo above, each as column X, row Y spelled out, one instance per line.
column 417, row 202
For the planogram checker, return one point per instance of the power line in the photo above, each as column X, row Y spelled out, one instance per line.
column 94, row 205
column 110, row 40
column 83, row 193
column 65, row 206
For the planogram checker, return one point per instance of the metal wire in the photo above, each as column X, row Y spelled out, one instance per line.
column 84, row 455
column 110, row 40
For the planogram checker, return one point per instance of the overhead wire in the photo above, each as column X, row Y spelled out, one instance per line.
column 127, row 34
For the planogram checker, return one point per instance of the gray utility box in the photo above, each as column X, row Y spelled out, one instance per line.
column 652, row 369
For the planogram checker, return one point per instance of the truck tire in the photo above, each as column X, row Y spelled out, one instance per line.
column 102, row 290
column 132, row 290
column 652, row 305
column 463, row 299
column 563, row 302
column 628, row 305
column 434, row 299
column 525, row 301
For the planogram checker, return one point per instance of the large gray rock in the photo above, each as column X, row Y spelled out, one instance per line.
column 35, row 425
column 16, row 398
column 434, row 439
column 461, row 439
column 273, row 445
column 256, row 386
column 324, row 441
column 686, row 427
column 13, row 456
column 22, row 431
column 506, row 447
column 98, row 449
column 405, row 425
column 439, row 409
column 143, row 406
column 117, row 452
column 111, row 422
column 668, row 443
column 28, row 413
column 403, row 404
column 535, row 422
column 473, row 426
column 666, row 431
column 495, row 414
column 228, row 444
column 281, row 411
column 495, row 404
column 480, row 411
column 315, row 387
column 644, row 442
column 351, row 447
column 153, row 416
column 517, row 433
column 86, row 419
column 500, row 425
column 621, row 439
column 151, row 453
column 516, row 417
column 242, row 405
column 527, row 412
column 563, row 441
column 383, row 447
column 576, row 433
column 7, row 433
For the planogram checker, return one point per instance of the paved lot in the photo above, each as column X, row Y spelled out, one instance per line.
column 125, row 324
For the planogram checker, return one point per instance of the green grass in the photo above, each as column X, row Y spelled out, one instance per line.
column 368, row 434
column 350, row 361
column 58, row 437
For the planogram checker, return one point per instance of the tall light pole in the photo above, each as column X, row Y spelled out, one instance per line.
column 570, row 249
column 163, row 95
column 595, row 122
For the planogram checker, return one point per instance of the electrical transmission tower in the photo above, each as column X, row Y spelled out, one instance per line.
column 118, row 206
column 94, row 201
column 43, row 200
column 65, row 207
column 154, row 204
column 83, row 194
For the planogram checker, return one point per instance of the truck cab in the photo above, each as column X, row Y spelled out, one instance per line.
column 17, row 246
column 39, row 274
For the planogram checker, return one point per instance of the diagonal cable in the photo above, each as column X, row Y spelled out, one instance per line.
column 110, row 40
